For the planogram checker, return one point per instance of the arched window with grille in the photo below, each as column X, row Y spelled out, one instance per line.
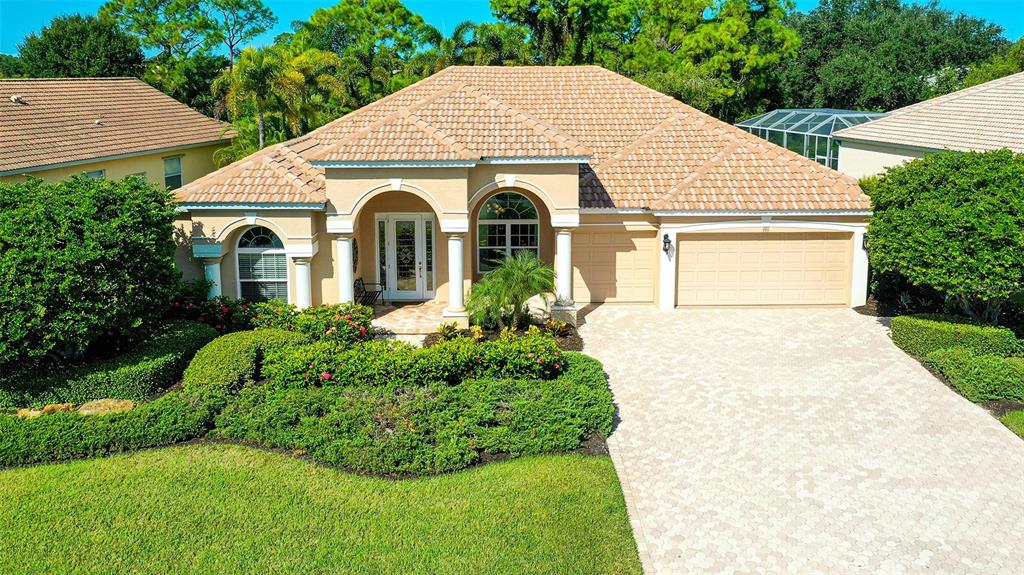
column 508, row 222
column 262, row 265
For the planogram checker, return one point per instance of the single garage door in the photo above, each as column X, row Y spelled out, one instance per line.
column 764, row 269
column 614, row 266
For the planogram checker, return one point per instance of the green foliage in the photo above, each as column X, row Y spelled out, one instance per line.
column 1000, row 65
column 225, row 314
column 171, row 418
column 175, row 28
column 236, row 22
column 430, row 428
column 188, row 80
column 397, row 365
column 234, row 360
column 81, row 259
column 81, row 46
column 1015, row 421
column 11, row 66
column 449, row 330
column 341, row 324
column 500, row 296
column 154, row 365
column 954, row 222
column 923, row 334
column 980, row 377
column 878, row 54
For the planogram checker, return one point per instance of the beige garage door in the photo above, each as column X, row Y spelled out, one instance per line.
column 764, row 269
column 614, row 266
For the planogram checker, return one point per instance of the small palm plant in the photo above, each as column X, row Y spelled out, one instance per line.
column 499, row 299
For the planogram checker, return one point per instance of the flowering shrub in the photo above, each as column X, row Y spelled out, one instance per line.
column 344, row 323
column 224, row 314
column 274, row 314
column 558, row 327
column 398, row 365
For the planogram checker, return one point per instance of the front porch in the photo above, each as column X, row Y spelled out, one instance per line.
column 409, row 318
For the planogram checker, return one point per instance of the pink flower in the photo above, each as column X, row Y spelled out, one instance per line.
column 539, row 360
column 558, row 366
column 348, row 316
column 223, row 309
column 325, row 376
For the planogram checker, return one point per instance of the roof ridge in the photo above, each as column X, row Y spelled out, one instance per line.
column 706, row 166
column 549, row 131
column 440, row 135
column 406, row 110
column 946, row 98
column 622, row 152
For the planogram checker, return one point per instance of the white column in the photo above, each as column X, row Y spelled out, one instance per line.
column 456, row 303
column 345, row 274
column 563, row 266
column 859, row 277
column 303, row 292
column 211, row 271
column 667, row 272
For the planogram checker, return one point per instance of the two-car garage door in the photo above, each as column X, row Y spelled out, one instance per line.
column 759, row 269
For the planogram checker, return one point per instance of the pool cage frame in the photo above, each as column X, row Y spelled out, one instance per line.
column 807, row 131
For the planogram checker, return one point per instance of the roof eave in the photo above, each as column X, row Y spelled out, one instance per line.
column 451, row 163
column 162, row 150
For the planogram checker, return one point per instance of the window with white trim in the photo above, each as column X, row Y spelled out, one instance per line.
column 172, row 172
column 262, row 265
column 508, row 223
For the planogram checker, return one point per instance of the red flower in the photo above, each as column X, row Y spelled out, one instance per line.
column 362, row 330
column 539, row 360
column 348, row 316
column 558, row 366
column 325, row 376
column 223, row 309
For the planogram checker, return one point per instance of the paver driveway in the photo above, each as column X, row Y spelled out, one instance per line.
column 801, row 441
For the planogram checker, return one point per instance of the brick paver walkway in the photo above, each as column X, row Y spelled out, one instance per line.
column 801, row 441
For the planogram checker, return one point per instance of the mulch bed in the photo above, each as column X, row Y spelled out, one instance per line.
column 569, row 342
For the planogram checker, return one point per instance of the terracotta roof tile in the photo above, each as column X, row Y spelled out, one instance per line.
column 645, row 149
column 988, row 116
column 78, row 119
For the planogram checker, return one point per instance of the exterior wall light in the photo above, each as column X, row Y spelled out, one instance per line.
column 666, row 243
column 864, row 242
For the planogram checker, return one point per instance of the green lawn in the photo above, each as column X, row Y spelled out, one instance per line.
column 1015, row 421
column 229, row 509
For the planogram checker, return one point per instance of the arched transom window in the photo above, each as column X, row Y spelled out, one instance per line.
column 508, row 223
column 262, row 265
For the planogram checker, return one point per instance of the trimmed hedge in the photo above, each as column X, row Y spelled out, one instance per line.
column 980, row 377
column 234, row 360
column 428, row 429
column 396, row 364
column 923, row 334
column 156, row 364
column 342, row 323
column 216, row 371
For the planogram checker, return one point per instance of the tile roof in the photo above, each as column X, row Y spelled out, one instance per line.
column 984, row 117
column 644, row 149
column 65, row 120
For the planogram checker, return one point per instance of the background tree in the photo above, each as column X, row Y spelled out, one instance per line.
column 235, row 22
column 1009, row 62
column 255, row 82
column 190, row 80
column 501, row 44
column 717, row 55
column 563, row 31
column 454, row 50
column 81, row 260
column 375, row 39
column 953, row 222
column 81, row 46
column 879, row 54
column 175, row 28
column 11, row 66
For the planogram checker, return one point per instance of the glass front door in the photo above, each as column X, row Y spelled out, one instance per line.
column 405, row 255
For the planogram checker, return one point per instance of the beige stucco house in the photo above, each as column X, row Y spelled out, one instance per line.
column 634, row 197
column 988, row 116
column 103, row 127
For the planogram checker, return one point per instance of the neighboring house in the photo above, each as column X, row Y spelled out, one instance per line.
column 988, row 116
column 807, row 131
column 103, row 127
column 632, row 195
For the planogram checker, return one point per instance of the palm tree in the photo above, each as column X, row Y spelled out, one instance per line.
column 501, row 44
column 309, row 81
column 503, row 292
column 255, row 80
column 451, row 51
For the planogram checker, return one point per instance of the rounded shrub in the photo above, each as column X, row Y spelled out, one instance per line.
column 923, row 334
column 154, row 365
column 234, row 360
column 980, row 377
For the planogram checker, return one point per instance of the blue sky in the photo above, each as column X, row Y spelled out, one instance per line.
column 21, row 17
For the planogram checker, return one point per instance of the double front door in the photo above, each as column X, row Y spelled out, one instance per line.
column 405, row 256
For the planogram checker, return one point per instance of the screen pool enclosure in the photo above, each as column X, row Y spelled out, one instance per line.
column 807, row 131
